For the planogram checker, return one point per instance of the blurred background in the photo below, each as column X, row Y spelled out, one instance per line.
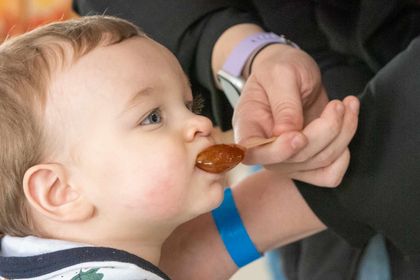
column 18, row 16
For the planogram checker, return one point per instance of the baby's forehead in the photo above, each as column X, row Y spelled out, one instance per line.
column 139, row 61
column 135, row 62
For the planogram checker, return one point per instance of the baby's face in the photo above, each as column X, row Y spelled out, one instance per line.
column 125, row 120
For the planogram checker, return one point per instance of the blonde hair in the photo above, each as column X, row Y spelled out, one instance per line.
column 26, row 66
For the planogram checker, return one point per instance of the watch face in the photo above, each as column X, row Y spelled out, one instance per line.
column 230, row 91
column 231, row 86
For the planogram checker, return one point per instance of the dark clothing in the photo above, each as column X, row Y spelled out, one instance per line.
column 190, row 28
column 380, row 192
column 323, row 256
column 351, row 41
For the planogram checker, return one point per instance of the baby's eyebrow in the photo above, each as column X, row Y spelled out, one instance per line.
column 137, row 98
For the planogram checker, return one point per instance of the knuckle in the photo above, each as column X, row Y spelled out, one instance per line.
column 335, row 179
column 332, row 178
column 335, row 173
column 287, row 108
column 301, row 157
column 334, row 182
column 326, row 158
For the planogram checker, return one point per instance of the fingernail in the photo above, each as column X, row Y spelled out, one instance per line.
column 297, row 142
column 354, row 106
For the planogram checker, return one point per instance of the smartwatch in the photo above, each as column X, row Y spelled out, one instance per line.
column 229, row 77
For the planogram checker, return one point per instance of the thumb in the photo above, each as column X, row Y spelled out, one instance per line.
column 286, row 106
column 252, row 116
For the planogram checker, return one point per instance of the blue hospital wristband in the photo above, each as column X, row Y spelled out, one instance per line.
column 233, row 233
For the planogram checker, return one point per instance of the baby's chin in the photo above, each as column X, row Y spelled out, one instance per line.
column 216, row 194
column 211, row 199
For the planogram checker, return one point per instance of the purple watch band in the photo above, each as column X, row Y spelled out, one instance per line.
column 240, row 54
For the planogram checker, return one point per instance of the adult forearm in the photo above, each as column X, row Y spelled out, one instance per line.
column 195, row 251
column 228, row 41
column 273, row 211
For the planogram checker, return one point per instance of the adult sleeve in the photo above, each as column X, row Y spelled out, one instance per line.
column 298, row 20
column 380, row 192
column 188, row 28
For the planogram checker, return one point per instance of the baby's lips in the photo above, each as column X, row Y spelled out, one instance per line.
column 220, row 158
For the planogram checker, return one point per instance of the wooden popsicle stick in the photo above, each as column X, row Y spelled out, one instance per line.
column 258, row 142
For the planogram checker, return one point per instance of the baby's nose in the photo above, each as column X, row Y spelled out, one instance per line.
column 198, row 126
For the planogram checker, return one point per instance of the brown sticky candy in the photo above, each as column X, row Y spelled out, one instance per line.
column 220, row 158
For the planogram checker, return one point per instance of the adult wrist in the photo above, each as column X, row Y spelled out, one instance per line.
column 262, row 54
column 227, row 43
column 268, row 54
column 230, row 77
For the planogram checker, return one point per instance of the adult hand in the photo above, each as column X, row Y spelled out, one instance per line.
column 283, row 93
column 284, row 97
column 325, row 159
column 281, row 97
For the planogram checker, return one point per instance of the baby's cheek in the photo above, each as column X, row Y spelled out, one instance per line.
column 165, row 195
column 159, row 177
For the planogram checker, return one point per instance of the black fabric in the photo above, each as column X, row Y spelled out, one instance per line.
column 402, row 266
column 323, row 256
column 326, row 255
column 350, row 40
column 380, row 192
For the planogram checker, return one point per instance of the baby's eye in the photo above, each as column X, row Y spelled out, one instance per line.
column 155, row 117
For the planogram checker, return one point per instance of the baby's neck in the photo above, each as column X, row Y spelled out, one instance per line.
column 148, row 250
column 145, row 244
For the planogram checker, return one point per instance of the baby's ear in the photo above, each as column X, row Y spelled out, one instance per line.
column 49, row 193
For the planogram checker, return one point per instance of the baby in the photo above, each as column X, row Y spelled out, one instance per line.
column 97, row 120
column 99, row 141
